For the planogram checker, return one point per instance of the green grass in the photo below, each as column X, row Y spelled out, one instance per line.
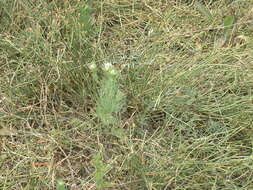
column 178, row 115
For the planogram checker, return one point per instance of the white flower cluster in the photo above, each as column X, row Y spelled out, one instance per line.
column 108, row 67
column 93, row 67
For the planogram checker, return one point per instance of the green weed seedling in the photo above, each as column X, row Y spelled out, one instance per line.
column 60, row 185
column 110, row 98
column 228, row 26
column 227, row 31
column 85, row 18
column 100, row 171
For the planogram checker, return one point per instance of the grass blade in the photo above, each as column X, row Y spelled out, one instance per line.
column 201, row 8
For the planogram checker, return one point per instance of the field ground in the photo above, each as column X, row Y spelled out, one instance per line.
column 178, row 113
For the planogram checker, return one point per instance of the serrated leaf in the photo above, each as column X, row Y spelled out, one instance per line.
column 201, row 8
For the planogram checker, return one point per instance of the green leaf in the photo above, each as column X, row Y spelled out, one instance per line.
column 60, row 185
column 85, row 18
column 110, row 101
column 228, row 25
column 100, row 171
column 201, row 8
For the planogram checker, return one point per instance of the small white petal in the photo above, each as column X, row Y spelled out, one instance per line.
column 92, row 66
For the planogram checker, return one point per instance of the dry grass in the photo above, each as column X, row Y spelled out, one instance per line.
column 187, row 115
